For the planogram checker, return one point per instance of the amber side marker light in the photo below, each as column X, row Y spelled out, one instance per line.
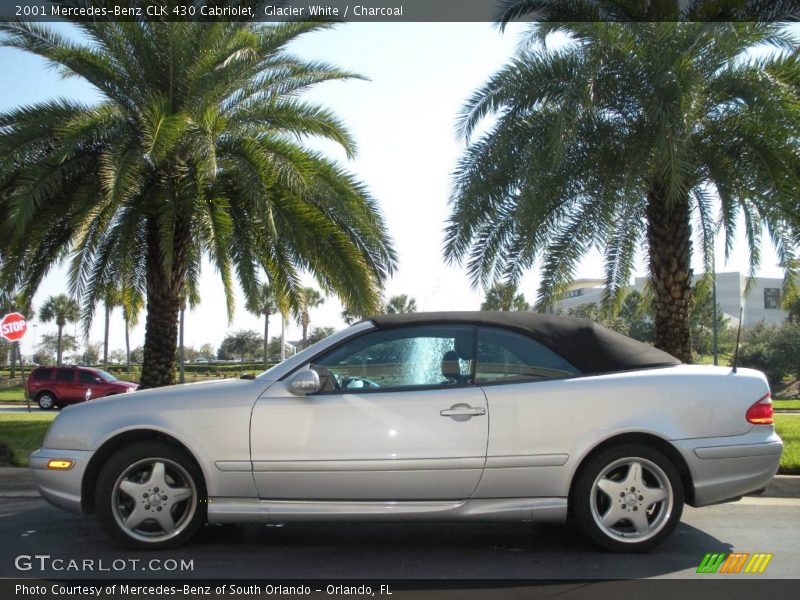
column 60, row 464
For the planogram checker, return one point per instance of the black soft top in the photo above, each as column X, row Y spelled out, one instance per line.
column 590, row 347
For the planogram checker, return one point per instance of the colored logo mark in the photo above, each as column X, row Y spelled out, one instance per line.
column 735, row 562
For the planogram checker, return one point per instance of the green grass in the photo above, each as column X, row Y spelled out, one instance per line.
column 21, row 434
column 13, row 393
column 794, row 404
column 788, row 427
column 723, row 359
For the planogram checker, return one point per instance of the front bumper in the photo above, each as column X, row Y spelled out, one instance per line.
column 730, row 467
column 61, row 488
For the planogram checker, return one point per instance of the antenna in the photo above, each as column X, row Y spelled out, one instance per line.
column 738, row 335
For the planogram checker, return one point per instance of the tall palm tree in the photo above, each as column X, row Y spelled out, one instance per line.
column 112, row 298
column 132, row 302
column 622, row 139
column 311, row 299
column 62, row 310
column 504, row 296
column 195, row 149
column 401, row 304
column 189, row 298
column 264, row 304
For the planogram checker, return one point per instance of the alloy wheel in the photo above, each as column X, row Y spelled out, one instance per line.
column 154, row 500
column 631, row 499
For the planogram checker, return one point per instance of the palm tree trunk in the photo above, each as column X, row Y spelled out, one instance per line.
column 283, row 338
column 266, row 339
column 181, row 355
column 105, row 338
column 669, row 239
column 58, row 345
column 127, row 346
column 160, row 337
column 163, row 306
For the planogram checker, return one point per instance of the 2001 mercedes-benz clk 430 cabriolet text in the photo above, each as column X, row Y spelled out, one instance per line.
column 429, row 416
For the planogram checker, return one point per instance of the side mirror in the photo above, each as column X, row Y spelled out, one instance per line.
column 304, row 382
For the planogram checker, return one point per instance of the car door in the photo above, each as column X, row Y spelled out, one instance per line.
column 527, row 386
column 90, row 385
column 398, row 418
column 67, row 389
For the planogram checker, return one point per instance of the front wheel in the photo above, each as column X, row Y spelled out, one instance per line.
column 46, row 401
column 150, row 496
column 628, row 498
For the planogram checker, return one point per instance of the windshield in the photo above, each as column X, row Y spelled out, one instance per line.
column 106, row 376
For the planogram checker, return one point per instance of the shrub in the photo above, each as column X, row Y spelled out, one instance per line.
column 773, row 349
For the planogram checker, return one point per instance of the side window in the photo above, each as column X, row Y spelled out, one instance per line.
column 408, row 357
column 65, row 375
column 87, row 377
column 510, row 356
column 42, row 374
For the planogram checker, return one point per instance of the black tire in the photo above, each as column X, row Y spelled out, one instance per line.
column 130, row 466
column 641, row 525
column 46, row 401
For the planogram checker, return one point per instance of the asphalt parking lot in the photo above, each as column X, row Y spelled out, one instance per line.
column 402, row 551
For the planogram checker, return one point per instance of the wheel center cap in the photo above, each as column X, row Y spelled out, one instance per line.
column 154, row 500
column 631, row 498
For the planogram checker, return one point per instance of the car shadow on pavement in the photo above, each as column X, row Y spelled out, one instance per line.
column 468, row 551
column 445, row 550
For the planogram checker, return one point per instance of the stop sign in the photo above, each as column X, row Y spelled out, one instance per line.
column 13, row 327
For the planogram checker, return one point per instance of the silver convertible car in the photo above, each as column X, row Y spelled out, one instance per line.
column 430, row 416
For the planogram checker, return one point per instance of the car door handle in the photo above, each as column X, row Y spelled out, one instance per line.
column 463, row 410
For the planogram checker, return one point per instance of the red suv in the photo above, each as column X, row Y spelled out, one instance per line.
column 59, row 386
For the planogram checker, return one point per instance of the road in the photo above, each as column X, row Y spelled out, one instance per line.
column 408, row 551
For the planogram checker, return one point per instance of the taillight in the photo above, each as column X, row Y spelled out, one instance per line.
column 761, row 412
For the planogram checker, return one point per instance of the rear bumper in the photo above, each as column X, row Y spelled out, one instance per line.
column 61, row 488
column 730, row 467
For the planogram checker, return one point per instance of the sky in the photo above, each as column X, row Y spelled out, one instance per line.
column 403, row 120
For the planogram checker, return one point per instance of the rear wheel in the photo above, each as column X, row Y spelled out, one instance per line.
column 46, row 401
column 628, row 498
column 151, row 496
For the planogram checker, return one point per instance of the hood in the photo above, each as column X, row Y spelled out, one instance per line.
column 83, row 426
column 125, row 384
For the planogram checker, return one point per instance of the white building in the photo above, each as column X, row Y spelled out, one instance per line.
column 762, row 303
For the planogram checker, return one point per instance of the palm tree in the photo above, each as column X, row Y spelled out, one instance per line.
column 504, row 296
column 349, row 317
column 195, row 149
column 311, row 299
column 112, row 298
column 190, row 298
column 264, row 305
column 62, row 309
column 620, row 140
column 401, row 304
column 132, row 302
